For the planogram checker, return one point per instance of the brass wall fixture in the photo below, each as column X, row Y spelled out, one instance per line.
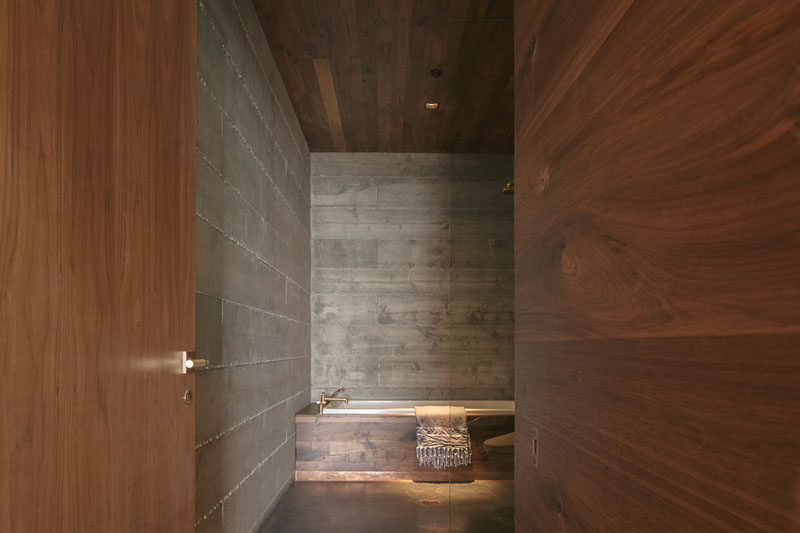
column 325, row 400
column 509, row 188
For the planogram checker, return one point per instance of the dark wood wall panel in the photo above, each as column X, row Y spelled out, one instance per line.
column 664, row 181
column 657, row 241
column 359, row 76
column 675, row 432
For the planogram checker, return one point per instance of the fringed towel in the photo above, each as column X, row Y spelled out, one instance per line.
column 442, row 437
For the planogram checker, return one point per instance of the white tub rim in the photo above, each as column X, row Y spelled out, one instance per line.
column 406, row 407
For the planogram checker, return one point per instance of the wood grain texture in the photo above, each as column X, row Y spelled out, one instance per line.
column 383, row 447
column 380, row 55
column 671, row 210
column 683, row 434
column 97, row 106
column 330, row 101
column 657, row 246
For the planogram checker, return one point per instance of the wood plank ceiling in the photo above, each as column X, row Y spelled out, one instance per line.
column 360, row 72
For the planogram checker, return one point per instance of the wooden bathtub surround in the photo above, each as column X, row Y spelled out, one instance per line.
column 657, row 246
column 348, row 447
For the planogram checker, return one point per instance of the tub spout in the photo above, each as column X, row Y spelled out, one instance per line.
column 325, row 400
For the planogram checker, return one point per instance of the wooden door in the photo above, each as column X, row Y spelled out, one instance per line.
column 97, row 106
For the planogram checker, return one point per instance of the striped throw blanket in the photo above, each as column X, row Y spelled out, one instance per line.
column 442, row 437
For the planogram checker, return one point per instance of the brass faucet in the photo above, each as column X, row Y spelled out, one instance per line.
column 324, row 401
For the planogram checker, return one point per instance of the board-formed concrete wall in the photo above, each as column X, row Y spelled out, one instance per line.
column 412, row 276
column 253, row 271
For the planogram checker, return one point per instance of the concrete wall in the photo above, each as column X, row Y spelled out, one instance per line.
column 253, row 271
column 412, row 276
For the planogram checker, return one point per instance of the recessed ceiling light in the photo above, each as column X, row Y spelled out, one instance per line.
column 432, row 105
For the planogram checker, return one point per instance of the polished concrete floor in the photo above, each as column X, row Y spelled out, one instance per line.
column 388, row 507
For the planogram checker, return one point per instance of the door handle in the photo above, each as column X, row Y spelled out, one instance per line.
column 191, row 362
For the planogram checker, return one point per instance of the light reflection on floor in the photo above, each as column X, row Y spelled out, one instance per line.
column 388, row 507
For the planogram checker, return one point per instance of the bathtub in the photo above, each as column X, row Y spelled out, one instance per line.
column 406, row 407
column 375, row 440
